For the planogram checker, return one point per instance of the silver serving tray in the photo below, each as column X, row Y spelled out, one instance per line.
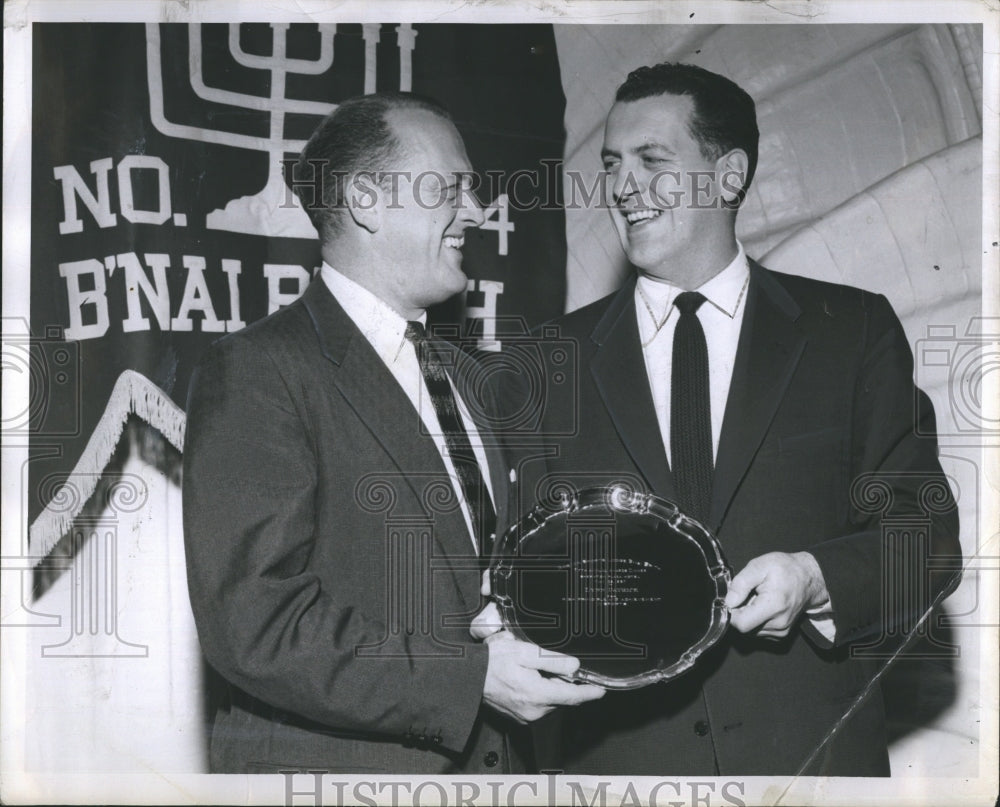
column 619, row 578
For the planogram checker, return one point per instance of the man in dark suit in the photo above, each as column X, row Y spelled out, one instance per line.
column 778, row 410
column 341, row 484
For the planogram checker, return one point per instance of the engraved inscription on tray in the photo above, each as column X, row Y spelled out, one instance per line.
column 630, row 591
column 611, row 581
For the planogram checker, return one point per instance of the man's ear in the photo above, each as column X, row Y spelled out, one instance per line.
column 731, row 170
column 364, row 201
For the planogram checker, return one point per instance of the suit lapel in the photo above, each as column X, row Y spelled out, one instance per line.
column 769, row 349
column 378, row 400
column 619, row 371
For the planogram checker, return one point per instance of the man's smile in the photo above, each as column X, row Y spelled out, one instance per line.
column 638, row 217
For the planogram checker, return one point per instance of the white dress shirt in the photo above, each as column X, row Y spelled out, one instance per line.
column 721, row 317
column 385, row 331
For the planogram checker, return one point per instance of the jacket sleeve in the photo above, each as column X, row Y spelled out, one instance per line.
column 901, row 505
column 266, row 622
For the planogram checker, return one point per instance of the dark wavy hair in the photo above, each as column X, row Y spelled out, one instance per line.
column 724, row 116
column 354, row 138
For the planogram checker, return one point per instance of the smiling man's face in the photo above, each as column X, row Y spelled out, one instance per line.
column 666, row 193
column 429, row 210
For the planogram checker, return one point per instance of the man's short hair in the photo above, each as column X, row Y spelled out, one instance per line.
column 355, row 138
column 724, row 116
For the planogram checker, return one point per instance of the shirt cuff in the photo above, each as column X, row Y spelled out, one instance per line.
column 821, row 618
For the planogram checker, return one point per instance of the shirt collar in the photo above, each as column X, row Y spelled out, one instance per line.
column 725, row 291
column 380, row 324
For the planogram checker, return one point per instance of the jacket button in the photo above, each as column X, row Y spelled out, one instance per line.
column 491, row 759
column 701, row 728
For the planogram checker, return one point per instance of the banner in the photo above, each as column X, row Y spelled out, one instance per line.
column 161, row 219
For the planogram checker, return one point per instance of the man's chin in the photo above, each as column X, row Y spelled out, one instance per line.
column 642, row 259
column 639, row 252
column 461, row 282
column 456, row 283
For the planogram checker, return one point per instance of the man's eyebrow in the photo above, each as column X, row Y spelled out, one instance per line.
column 651, row 146
column 643, row 149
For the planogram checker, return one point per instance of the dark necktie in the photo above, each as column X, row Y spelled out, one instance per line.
column 456, row 439
column 690, row 411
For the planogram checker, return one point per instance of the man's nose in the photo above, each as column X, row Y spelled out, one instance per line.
column 623, row 185
column 471, row 213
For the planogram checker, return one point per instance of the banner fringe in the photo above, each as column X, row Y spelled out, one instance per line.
column 133, row 393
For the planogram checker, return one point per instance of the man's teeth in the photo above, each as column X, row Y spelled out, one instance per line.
column 634, row 216
column 455, row 241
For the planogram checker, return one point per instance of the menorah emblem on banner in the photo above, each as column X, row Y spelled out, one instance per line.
column 272, row 211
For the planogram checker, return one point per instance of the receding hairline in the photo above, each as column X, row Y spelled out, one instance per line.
column 400, row 118
column 407, row 125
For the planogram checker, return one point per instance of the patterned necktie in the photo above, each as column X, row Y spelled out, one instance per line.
column 470, row 475
column 690, row 411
